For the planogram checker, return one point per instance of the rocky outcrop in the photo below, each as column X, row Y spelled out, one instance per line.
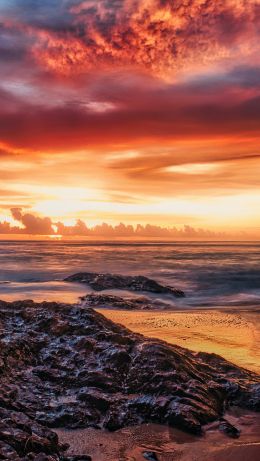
column 21, row 438
column 117, row 302
column 67, row 366
column 228, row 428
column 99, row 282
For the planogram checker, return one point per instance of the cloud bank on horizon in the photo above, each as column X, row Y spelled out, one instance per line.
column 121, row 110
column 32, row 225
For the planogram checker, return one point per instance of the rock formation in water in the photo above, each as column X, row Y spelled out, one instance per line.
column 67, row 366
column 117, row 302
column 99, row 282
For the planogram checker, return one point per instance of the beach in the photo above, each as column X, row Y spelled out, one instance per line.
column 204, row 298
column 113, row 395
column 168, row 444
column 235, row 335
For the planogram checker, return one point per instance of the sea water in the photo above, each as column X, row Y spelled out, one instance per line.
column 211, row 273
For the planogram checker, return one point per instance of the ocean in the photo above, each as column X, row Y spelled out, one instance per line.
column 211, row 274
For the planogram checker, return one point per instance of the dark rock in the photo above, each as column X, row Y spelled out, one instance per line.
column 228, row 428
column 99, row 282
column 251, row 398
column 150, row 456
column 68, row 366
column 23, row 439
column 117, row 302
column 78, row 458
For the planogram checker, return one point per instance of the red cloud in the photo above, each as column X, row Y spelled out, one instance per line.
column 156, row 35
column 160, row 37
column 129, row 113
column 105, row 47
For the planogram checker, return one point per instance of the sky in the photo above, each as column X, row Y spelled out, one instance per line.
column 134, row 112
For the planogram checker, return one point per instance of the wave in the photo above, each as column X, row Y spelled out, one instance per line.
column 209, row 273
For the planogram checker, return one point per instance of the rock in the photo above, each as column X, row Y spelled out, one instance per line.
column 251, row 398
column 99, row 282
column 117, row 302
column 228, row 428
column 78, row 458
column 23, row 439
column 68, row 366
column 150, row 456
column 6, row 451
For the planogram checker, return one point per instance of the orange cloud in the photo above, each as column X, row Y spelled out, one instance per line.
column 35, row 225
column 32, row 224
column 159, row 36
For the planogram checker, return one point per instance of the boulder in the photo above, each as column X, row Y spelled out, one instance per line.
column 100, row 282
column 104, row 301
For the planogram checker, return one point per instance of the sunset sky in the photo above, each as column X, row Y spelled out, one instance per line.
column 130, row 111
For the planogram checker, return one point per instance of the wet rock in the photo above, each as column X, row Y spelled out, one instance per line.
column 78, row 458
column 68, row 366
column 6, row 451
column 150, row 456
column 97, row 399
column 99, row 282
column 250, row 398
column 23, row 439
column 228, row 428
column 117, row 302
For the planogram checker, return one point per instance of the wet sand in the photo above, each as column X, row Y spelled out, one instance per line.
column 130, row 444
column 233, row 334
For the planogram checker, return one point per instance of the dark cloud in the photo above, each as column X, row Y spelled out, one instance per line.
column 166, row 113
column 49, row 14
column 245, row 76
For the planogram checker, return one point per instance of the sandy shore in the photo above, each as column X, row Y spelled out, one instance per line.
column 233, row 334
column 130, row 444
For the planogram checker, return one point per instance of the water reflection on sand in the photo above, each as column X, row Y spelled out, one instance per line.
column 235, row 335
column 130, row 444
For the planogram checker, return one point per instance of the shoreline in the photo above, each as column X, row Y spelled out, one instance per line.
column 231, row 333
column 69, row 367
column 168, row 444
